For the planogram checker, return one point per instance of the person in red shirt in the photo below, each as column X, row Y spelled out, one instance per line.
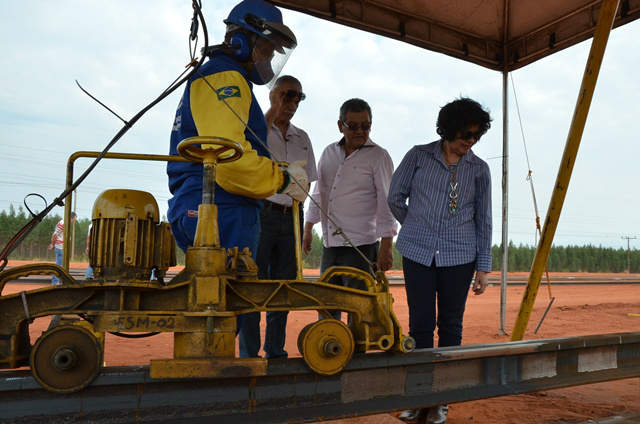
column 57, row 244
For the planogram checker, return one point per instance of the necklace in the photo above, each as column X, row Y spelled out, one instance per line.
column 453, row 193
column 453, row 184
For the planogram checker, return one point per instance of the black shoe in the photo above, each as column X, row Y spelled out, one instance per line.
column 412, row 415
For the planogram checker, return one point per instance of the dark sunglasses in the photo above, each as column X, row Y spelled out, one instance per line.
column 292, row 94
column 467, row 135
column 354, row 127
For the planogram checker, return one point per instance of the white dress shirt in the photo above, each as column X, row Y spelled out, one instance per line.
column 353, row 191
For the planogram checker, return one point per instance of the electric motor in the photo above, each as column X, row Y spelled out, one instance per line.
column 128, row 241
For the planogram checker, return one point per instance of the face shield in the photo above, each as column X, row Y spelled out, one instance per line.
column 268, row 60
column 274, row 45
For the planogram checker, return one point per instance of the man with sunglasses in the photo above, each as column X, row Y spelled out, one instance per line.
column 353, row 181
column 276, row 257
column 441, row 194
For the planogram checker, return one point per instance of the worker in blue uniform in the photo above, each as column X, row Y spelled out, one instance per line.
column 219, row 101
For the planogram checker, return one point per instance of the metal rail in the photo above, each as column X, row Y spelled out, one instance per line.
column 371, row 384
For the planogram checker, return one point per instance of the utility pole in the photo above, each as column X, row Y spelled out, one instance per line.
column 628, row 252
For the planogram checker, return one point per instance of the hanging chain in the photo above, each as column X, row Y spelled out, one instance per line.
column 453, row 193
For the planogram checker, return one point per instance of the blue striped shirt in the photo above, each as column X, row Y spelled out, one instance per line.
column 419, row 199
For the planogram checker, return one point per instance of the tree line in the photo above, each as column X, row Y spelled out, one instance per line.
column 587, row 258
column 36, row 245
column 561, row 258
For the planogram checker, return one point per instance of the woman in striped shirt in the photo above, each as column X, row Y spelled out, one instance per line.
column 441, row 194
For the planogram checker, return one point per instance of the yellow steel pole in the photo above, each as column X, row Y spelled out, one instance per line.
column 603, row 29
column 297, row 238
column 73, row 231
column 66, row 235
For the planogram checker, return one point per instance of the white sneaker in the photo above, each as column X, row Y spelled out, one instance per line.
column 438, row 414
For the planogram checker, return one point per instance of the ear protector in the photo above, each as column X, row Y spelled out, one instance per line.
column 240, row 46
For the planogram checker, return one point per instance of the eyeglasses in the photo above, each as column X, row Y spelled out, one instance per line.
column 354, row 127
column 292, row 94
column 467, row 135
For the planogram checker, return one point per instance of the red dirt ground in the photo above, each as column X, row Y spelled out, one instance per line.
column 578, row 310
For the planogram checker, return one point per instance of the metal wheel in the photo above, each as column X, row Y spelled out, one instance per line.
column 326, row 346
column 66, row 359
column 301, row 337
column 194, row 149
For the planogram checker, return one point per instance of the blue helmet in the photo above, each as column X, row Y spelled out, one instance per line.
column 272, row 43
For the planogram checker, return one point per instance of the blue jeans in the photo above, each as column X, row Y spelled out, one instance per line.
column 55, row 280
column 427, row 286
column 348, row 256
column 88, row 273
column 237, row 225
column 276, row 261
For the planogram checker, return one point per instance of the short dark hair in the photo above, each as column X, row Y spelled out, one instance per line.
column 458, row 115
column 354, row 105
column 284, row 79
column 73, row 215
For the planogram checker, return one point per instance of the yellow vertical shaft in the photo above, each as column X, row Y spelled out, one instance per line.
column 207, row 232
column 66, row 236
column 592, row 69
column 296, row 236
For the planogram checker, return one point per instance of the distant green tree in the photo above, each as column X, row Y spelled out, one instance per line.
column 557, row 258
column 397, row 258
column 524, row 257
column 511, row 266
column 619, row 260
column 496, row 257
column 589, row 259
column 634, row 259
column 571, row 257
column 312, row 260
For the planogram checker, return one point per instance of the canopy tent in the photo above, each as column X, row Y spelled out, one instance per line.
column 484, row 32
column 503, row 36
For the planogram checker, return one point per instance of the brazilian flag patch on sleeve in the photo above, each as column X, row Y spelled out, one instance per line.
column 228, row 92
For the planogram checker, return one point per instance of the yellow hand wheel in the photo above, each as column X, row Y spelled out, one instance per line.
column 201, row 148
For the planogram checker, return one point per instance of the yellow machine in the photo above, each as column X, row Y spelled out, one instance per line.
column 129, row 245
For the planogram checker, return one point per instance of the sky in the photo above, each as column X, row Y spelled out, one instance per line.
column 126, row 53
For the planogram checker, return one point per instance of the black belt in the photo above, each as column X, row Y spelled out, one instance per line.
column 278, row 207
